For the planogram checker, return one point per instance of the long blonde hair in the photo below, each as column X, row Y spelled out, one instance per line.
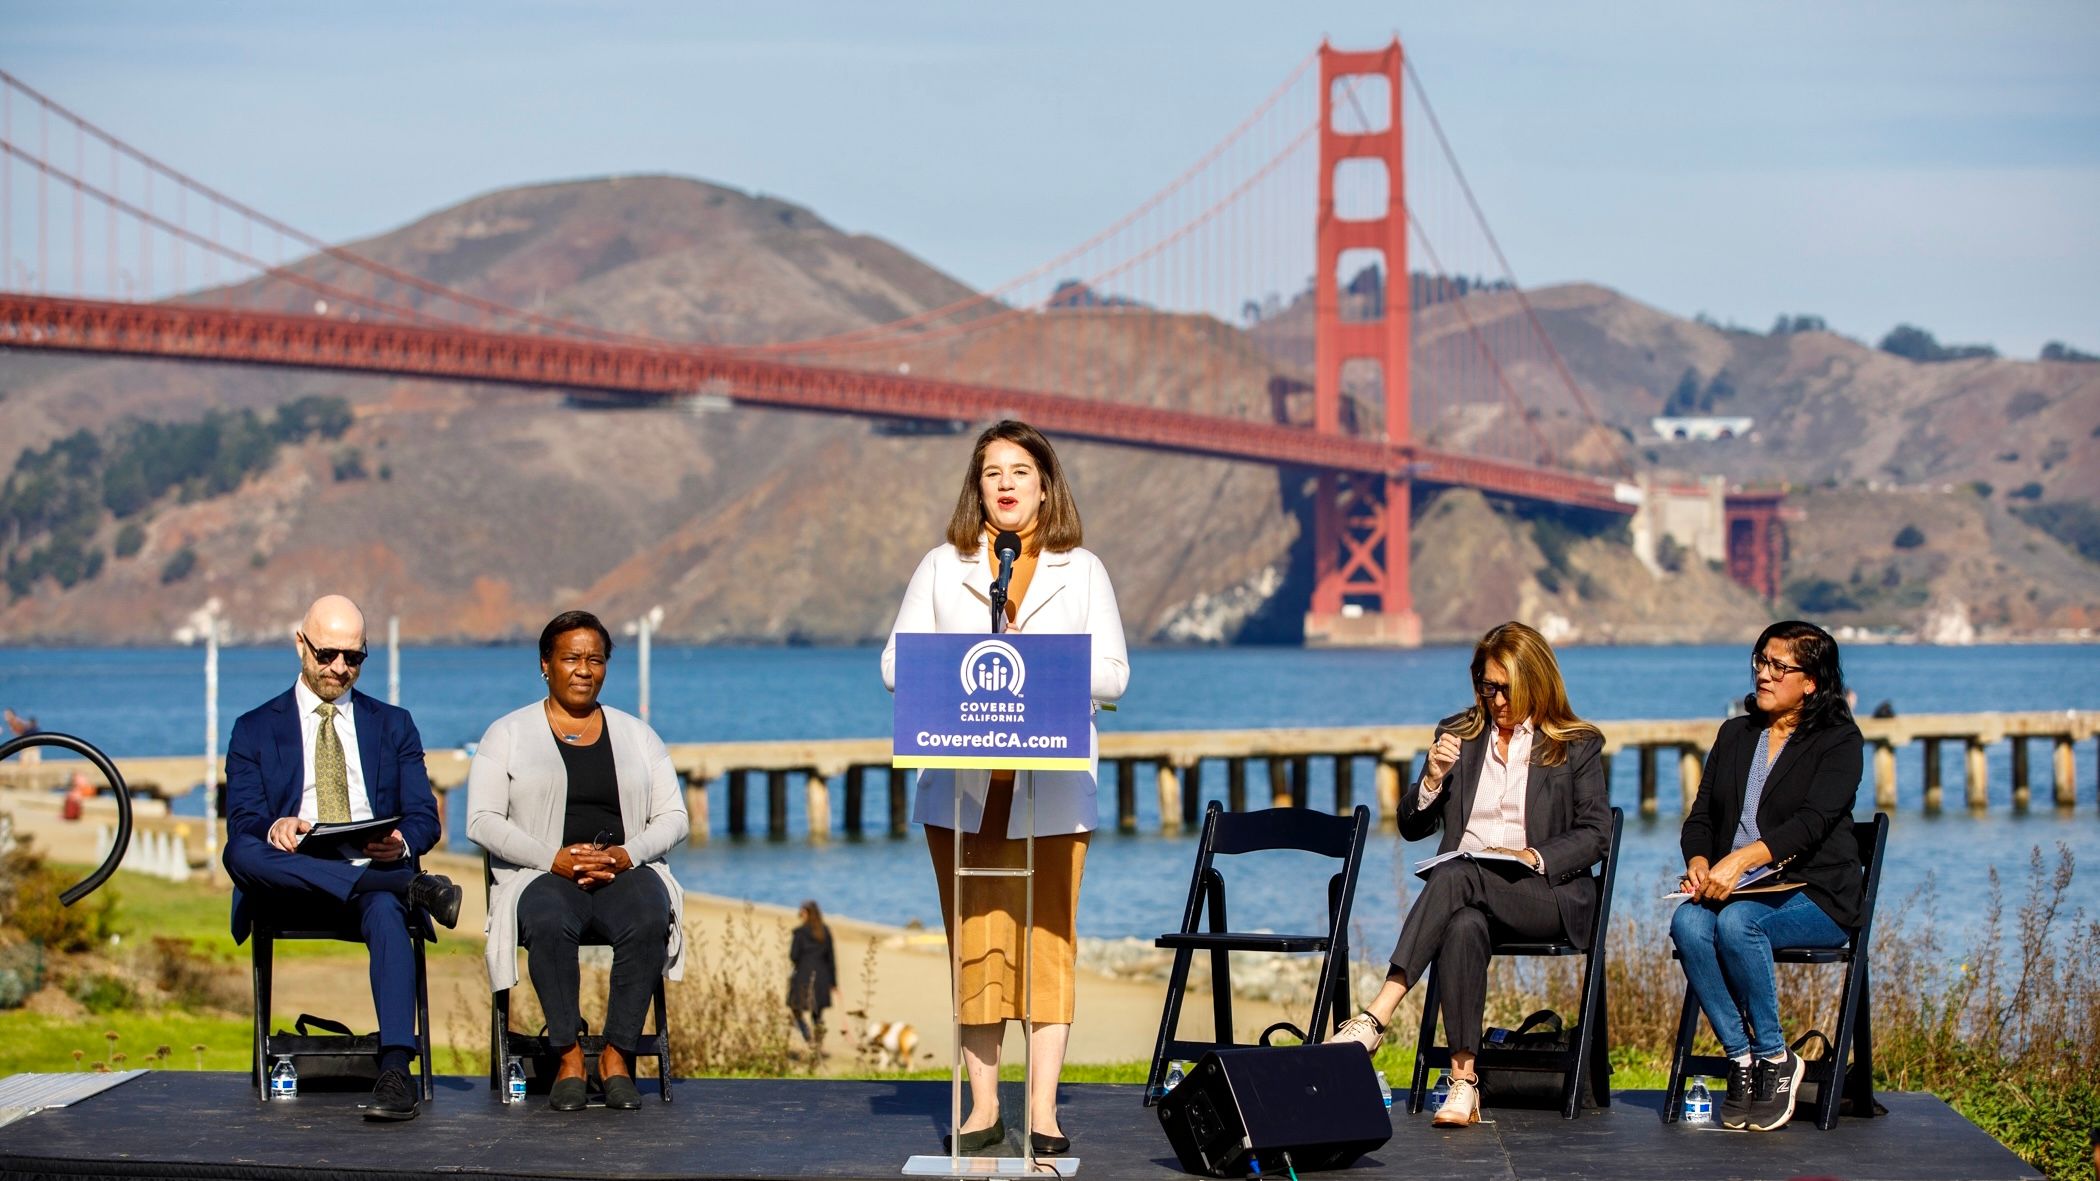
column 1535, row 692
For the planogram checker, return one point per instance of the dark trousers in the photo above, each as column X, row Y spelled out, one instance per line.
column 320, row 892
column 1463, row 908
column 631, row 913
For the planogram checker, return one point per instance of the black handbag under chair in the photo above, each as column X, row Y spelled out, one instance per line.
column 532, row 1048
column 1833, row 1079
column 1588, row 1052
column 1204, row 925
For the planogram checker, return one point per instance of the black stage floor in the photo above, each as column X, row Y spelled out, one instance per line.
column 170, row 1124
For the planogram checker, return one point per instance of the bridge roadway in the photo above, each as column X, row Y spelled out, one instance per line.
column 1282, row 758
column 199, row 333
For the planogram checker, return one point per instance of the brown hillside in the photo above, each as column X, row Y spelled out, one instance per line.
column 485, row 509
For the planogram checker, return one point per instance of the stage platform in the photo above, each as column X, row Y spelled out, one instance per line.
column 183, row 1124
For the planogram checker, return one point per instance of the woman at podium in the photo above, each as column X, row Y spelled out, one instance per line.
column 1013, row 484
column 1516, row 784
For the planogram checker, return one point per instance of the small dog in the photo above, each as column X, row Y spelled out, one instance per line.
column 893, row 1044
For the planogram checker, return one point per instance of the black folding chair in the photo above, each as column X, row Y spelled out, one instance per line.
column 506, row 1043
column 271, row 925
column 1590, row 1052
column 1204, row 926
column 1855, row 1028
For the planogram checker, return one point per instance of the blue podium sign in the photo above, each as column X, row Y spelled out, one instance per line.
column 993, row 702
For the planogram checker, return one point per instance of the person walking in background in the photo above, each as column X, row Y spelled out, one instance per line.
column 1529, row 789
column 570, row 797
column 1778, row 791
column 21, row 727
column 813, row 981
column 1013, row 482
column 323, row 753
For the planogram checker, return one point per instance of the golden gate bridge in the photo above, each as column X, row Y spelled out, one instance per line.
column 1412, row 357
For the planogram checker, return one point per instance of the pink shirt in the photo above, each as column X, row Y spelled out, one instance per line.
column 1497, row 818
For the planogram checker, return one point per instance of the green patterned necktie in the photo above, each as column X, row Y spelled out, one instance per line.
column 331, row 772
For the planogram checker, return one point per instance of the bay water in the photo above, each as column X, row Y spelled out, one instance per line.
column 143, row 702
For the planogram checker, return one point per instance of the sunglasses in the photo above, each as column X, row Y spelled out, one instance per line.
column 1489, row 690
column 1762, row 663
column 351, row 657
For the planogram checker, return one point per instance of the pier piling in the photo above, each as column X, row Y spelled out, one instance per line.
column 1979, row 776
column 1932, row 776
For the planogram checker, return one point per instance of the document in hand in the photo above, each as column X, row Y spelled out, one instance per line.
column 347, row 839
column 1758, row 881
column 1423, row 866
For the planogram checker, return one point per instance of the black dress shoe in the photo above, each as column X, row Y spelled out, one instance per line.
column 567, row 1094
column 436, row 894
column 978, row 1141
column 621, row 1094
column 393, row 1098
column 1049, row 1145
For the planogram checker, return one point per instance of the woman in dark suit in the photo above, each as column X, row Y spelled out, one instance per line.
column 1777, row 791
column 1530, row 794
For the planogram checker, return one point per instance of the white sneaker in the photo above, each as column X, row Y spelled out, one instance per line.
column 1461, row 1107
column 1363, row 1029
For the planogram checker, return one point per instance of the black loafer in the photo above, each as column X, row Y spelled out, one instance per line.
column 978, row 1141
column 393, row 1098
column 1049, row 1145
column 621, row 1094
column 436, row 893
column 567, row 1094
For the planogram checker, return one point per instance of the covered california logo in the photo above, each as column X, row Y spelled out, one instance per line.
column 993, row 666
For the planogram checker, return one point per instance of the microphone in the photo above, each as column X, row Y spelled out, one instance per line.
column 1007, row 546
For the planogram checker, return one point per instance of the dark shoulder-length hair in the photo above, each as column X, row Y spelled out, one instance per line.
column 1817, row 654
column 1057, row 525
column 569, row 621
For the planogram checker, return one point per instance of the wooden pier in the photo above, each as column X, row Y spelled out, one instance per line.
column 1260, row 768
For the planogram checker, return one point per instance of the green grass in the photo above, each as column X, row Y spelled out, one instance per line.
column 201, row 914
column 42, row 1043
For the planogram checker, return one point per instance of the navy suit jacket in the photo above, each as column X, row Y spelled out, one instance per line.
column 266, row 775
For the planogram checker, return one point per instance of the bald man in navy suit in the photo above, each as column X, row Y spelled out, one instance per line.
column 318, row 753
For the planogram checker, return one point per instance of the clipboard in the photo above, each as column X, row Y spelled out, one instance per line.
column 332, row 840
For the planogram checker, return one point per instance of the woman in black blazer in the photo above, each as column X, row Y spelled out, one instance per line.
column 1530, row 788
column 1777, row 791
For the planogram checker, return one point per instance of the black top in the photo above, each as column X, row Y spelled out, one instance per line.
column 1804, row 816
column 594, row 792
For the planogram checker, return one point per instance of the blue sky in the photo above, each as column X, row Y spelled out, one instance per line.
column 1935, row 163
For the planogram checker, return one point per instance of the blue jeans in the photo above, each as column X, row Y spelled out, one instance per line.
column 1727, row 956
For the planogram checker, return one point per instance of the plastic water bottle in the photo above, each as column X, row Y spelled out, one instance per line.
column 514, row 1082
column 284, row 1079
column 1442, row 1090
column 1698, row 1103
column 1174, row 1077
column 1385, row 1090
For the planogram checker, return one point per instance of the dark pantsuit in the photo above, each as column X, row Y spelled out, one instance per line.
column 1463, row 908
column 320, row 892
column 631, row 913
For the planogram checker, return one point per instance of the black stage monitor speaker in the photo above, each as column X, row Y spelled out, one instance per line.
column 1319, row 1105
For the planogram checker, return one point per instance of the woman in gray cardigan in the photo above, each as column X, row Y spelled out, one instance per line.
column 569, row 798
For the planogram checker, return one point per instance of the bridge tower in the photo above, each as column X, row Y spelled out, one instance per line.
column 1360, row 594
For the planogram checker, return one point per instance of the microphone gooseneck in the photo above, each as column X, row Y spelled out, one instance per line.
column 1007, row 547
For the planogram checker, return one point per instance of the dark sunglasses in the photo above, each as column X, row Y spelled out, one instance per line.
column 351, row 657
column 1760, row 663
column 1489, row 690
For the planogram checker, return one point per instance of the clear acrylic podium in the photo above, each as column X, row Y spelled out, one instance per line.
column 1062, row 702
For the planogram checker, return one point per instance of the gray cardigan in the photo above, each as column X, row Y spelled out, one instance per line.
column 517, row 797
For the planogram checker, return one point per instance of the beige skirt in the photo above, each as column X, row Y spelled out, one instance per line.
column 992, row 914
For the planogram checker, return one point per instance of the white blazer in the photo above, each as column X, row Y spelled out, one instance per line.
column 1069, row 594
